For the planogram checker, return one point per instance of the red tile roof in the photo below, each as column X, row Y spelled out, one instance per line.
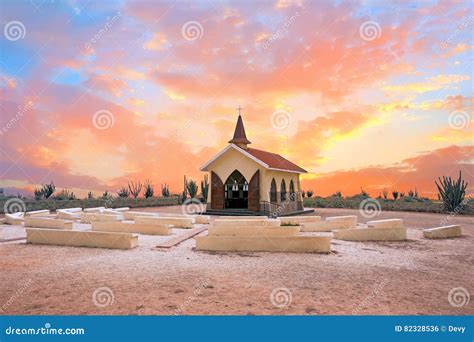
column 274, row 161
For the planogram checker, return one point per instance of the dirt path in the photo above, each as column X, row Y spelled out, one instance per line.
column 412, row 277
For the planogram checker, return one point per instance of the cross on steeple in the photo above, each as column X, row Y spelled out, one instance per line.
column 240, row 138
column 239, row 109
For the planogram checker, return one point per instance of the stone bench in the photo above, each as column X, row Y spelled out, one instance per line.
column 247, row 222
column 326, row 226
column 391, row 223
column 296, row 220
column 14, row 219
column 43, row 222
column 81, row 238
column 65, row 215
column 122, row 227
column 37, row 213
column 230, row 217
column 121, row 209
column 176, row 222
column 69, row 210
column 91, row 217
column 296, row 244
column 253, row 231
column 442, row 232
column 94, row 210
column 202, row 219
column 130, row 215
column 349, row 218
column 372, row 234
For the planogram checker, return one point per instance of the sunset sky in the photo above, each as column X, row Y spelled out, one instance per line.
column 366, row 94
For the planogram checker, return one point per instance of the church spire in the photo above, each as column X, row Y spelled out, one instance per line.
column 240, row 138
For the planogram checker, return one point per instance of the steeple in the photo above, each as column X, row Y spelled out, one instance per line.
column 240, row 139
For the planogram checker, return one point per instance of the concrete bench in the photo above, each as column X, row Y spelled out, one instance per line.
column 37, row 213
column 296, row 244
column 14, row 219
column 253, row 231
column 247, row 222
column 326, row 226
column 81, row 238
column 372, row 234
column 230, row 217
column 202, row 219
column 91, row 217
column 121, row 209
column 442, row 232
column 391, row 223
column 348, row 218
column 65, row 215
column 69, row 210
column 130, row 215
column 296, row 220
column 122, row 227
column 94, row 210
column 42, row 222
column 176, row 222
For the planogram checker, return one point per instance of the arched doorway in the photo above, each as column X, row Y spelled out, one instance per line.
column 273, row 191
column 283, row 191
column 236, row 191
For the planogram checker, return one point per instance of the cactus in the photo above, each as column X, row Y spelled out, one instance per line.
column 205, row 187
column 149, row 189
column 123, row 192
column 165, row 190
column 48, row 189
column 192, row 188
column 135, row 188
column 451, row 192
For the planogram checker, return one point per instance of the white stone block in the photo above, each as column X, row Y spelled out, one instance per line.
column 122, row 209
column 15, row 218
column 247, row 222
column 442, row 232
column 176, row 222
column 326, row 226
column 91, row 217
column 69, row 210
column 287, row 244
column 94, row 210
column 296, row 220
column 391, row 223
column 81, row 238
column 130, row 215
column 43, row 222
column 253, row 231
column 372, row 234
column 65, row 215
column 126, row 227
column 37, row 213
column 202, row 219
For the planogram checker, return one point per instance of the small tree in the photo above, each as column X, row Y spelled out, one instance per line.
column 90, row 195
column 452, row 192
column 395, row 195
column 165, row 190
column 123, row 192
column 385, row 193
column 192, row 188
column 149, row 189
column 106, row 195
column 135, row 188
column 309, row 193
column 205, row 187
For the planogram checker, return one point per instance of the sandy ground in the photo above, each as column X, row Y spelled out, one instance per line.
column 362, row 278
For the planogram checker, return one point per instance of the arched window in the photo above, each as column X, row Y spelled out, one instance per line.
column 273, row 191
column 292, row 191
column 283, row 191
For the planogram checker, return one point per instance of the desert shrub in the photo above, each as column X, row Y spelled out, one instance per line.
column 165, row 190
column 385, row 193
column 395, row 195
column 309, row 193
column 303, row 193
column 65, row 194
column 135, row 188
column 149, row 189
column 106, row 195
column 123, row 192
column 452, row 192
column 90, row 195
column 337, row 194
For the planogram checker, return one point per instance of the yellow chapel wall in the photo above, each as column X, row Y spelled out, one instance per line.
column 232, row 160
